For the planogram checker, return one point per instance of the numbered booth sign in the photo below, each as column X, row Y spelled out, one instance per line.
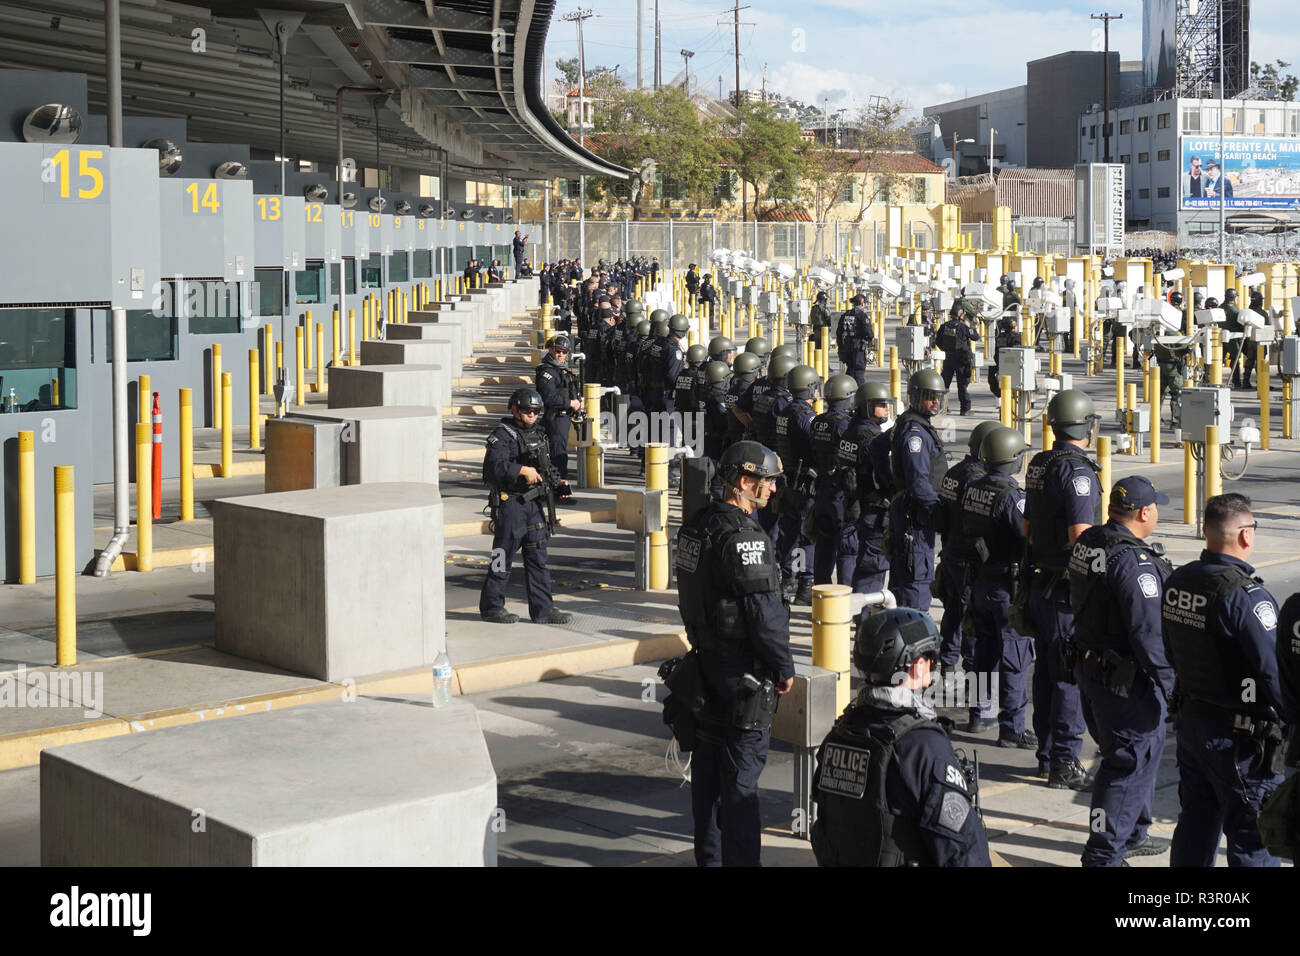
column 280, row 231
column 207, row 228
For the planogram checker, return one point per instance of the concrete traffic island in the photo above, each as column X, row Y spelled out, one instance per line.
column 387, row 442
column 473, row 327
column 412, row 351
column 333, row 583
column 368, row 385
column 451, row 337
column 369, row 781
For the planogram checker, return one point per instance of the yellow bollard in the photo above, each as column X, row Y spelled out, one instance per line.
column 54, row 392
column 1262, row 378
column 27, row 507
column 1214, row 362
column 65, row 567
column 1004, row 408
column 1048, row 435
column 279, row 361
column 595, row 460
column 300, row 393
column 1120, row 394
column 365, row 319
column 334, row 340
column 656, row 479
column 144, row 493
column 306, row 333
column 1189, row 484
column 1286, row 408
column 227, row 427
column 1213, row 476
column 187, row 454
column 352, row 338
column 254, row 409
column 320, row 356
column 895, row 383
column 1103, row 459
column 1155, row 413
column 268, row 356
column 143, row 404
column 1076, row 331
column 832, row 634
column 216, row 386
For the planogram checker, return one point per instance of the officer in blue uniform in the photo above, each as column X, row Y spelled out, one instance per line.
column 918, row 463
column 828, row 430
column 516, row 469
column 866, row 501
column 745, row 368
column 730, row 600
column 993, row 508
column 854, row 337
column 758, row 409
column 1063, row 499
column 956, row 554
column 558, row 387
column 955, row 337
column 1116, row 580
column 796, row 550
column 1220, row 631
column 889, row 789
column 1288, row 672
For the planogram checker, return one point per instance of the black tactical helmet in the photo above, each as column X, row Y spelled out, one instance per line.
column 802, row 381
column 872, row 393
column 977, row 435
column 643, row 328
column 1071, row 414
column 719, row 346
column 526, row 399
column 1176, row 299
column 758, row 346
column 715, row 372
column 822, row 296
column 679, row 323
column 696, row 356
column 840, row 391
column 747, row 364
column 1230, row 295
column 661, row 330
column 1038, row 282
column 780, row 367
column 1002, row 448
column 560, row 342
column 1211, row 303
column 921, row 382
column 887, row 644
column 786, row 349
column 660, row 315
column 748, row 458
column 633, row 306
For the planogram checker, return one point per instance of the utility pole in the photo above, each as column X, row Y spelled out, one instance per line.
column 578, row 16
column 659, row 63
column 1223, row 163
column 735, row 12
column 640, row 35
column 686, row 67
column 1105, row 18
column 992, row 134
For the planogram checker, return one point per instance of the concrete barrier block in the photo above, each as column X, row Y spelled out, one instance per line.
column 471, row 329
column 332, row 582
column 386, row 443
column 450, row 335
column 354, row 386
column 366, row 782
column 411, row 351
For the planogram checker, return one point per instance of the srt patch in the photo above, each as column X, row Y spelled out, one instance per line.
column 954, row 811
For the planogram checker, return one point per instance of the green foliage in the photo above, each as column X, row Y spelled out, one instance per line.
column 1272, row 76
column 769, row 154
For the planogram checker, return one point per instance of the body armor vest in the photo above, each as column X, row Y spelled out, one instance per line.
column 767, row 405
column 981, row 505
column 857, row 477
column 825, row 439
column 786, row 423
column 685, row 390
column 710, row 610
column 1096, row 622
column 938, row 462
column 1051, row 545
column 737, row 388
column 534, row 449
column 1208, row 664
column 951, row 488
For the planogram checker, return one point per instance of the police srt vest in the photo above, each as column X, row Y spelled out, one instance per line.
column 722, row 554
column 951, row 488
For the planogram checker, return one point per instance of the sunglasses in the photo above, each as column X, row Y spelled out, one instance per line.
column 1248, row 527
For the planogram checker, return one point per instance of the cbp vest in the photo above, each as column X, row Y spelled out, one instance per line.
column 709, row 604
column 854, row 824
column 825, row 439
column 790, row 419
column 656, row 364
column 1095, row 622
column 1051, row 545
column 854, row 463
column 981, row 504
column 737, row 388
column 1208, row 664
column 533, row 448
column 766, row 406
column 938, row 461
column 951, row 488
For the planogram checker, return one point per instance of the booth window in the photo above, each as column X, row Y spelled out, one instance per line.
column 149, row 337
column 399, row 269
column 422, row 264
column 309, row 284
column 349, row 275
column 38, row 357
column 270, row 291
column 371, row 272
column 213, row 307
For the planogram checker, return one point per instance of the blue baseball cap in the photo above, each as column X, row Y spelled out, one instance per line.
column 1135, row 492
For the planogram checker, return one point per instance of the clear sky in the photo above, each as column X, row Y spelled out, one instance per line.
column 923, row 51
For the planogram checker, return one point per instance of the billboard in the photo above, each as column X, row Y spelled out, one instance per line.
column 1159, row 69
column 1257, row 172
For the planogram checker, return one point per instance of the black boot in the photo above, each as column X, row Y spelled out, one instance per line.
column 803, row 594
column 788, row 585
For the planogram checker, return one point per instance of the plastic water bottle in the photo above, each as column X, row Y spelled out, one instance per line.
column 441, row 679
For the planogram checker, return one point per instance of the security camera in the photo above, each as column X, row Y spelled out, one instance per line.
column 1156, row 312
column 377, row 203
column 1254, row 280
column 821, row 277
column 1173, row 275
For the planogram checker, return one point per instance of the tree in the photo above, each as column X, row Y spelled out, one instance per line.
column 1271, row 76
column 768, row 153
column 662, row 125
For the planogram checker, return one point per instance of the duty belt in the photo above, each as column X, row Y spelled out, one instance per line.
column 1240, row 723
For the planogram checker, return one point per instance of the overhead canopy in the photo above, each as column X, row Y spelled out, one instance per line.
column 464, row 76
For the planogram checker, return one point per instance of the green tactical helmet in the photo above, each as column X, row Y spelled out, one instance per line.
column 1071, row 414
column 696, row 356
column 660, row 315
column 802, row 381
column 926, row 380
column 716, row 372
column 872, row 393
column 679, row 323
column 661, row 330
column 747, row 364
column 787, row 349
column 1002, row 448
column 633, row 306
column 720, row 345
column 643, row 328
column 779, row 368
column 977, row 435
column 758, row 346
column 840, row 390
